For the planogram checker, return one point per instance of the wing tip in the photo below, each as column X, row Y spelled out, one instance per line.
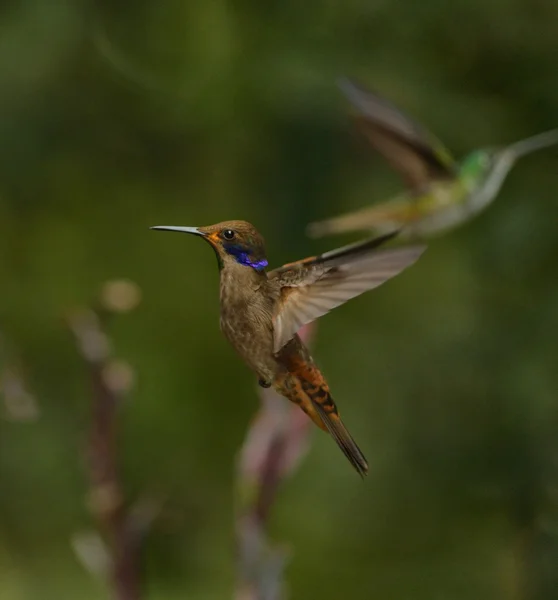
column 346, row 83
column 418, row 250
column 316, row 229
column 409, row 254
column 351, row 86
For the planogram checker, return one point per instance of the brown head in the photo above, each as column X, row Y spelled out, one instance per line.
column 233, row 242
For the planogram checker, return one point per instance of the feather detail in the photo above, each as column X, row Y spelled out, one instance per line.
column 305, row 385
column 410, row 148
column 313, row 287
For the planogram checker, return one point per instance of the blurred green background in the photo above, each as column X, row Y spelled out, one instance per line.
column 121, row 115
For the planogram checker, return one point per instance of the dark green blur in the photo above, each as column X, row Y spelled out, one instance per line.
column 119, row 116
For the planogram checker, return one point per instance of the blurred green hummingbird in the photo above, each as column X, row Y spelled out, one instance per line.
column 261, row 311
column 442, row 192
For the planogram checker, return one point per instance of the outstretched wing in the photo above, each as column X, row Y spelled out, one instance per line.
column 406, row 145
column 312, row 287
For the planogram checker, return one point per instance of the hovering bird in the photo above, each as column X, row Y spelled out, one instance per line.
column 442, row 193
column 261, row 311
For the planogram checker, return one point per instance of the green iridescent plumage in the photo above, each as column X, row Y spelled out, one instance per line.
column 442, row 193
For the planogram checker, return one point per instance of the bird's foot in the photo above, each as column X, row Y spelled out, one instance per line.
column 263, row 383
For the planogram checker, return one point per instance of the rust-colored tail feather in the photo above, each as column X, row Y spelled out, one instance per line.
column 305, row 385
column 343, row 438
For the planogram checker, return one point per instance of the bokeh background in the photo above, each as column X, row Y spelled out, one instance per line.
column 120, row 115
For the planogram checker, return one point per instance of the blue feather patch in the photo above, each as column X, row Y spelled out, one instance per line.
column 243, row 256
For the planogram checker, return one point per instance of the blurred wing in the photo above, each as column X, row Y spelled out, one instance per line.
column 312, row 287
column 396, row 212
column 406, row 145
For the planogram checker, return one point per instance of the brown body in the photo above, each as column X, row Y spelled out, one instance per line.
column 262, row 311
column 249, row 300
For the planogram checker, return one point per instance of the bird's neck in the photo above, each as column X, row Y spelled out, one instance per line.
column 490, row 184
column 238, row 275
column 239, row 283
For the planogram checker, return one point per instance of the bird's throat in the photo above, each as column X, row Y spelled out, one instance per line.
column 243, row 256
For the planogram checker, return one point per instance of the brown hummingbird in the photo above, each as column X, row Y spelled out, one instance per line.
column 261, row 311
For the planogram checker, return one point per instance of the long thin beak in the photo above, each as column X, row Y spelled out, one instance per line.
column 536, row 142
column 193, row 230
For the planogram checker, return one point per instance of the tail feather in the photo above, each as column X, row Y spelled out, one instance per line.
column 304, row 385
column 343, row 438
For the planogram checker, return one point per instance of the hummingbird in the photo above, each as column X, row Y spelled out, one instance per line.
column 441, row 192
column 261, row 310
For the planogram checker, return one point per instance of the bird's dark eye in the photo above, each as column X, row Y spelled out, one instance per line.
column 228, row 234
